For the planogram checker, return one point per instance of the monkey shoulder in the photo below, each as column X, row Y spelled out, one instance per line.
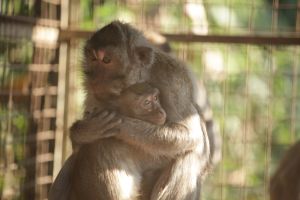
column 172, row 73
column 168, row 68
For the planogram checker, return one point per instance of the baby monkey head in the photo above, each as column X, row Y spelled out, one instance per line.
column 141, row 101
column 116, row 57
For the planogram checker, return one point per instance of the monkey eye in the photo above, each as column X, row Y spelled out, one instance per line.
column 95, row 57
column 155, row 98
column 106, row 60
column 146, row 102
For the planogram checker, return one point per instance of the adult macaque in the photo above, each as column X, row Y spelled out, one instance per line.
column 285, row 183
column 118, row 56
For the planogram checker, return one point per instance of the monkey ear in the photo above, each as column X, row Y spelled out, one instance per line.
column 145, row 54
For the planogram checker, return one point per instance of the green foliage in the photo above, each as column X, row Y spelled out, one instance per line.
column 252, row 103
column 95, row 16
column 107, row 12
column 249, row 104
column 13, row 129
column 17, row 7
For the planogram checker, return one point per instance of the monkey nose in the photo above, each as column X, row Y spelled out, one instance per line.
column 162, row 113
column 99, row 54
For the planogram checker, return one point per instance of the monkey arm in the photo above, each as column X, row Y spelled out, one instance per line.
column 170, row 139
column 80, row 132
column 90, row 129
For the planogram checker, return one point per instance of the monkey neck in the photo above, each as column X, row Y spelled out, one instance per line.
column 91, row 102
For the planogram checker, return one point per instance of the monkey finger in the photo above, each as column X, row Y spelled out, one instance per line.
column 106, row 119
column 92, row 113
column 111, row 133
column 100, row 114
column 112, row 124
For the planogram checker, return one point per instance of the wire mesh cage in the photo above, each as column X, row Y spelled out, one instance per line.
column 29, row 79
column 247, row 54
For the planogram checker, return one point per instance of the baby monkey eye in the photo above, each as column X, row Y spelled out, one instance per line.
column 155, row 98
column 146, row 102
column 106, row 60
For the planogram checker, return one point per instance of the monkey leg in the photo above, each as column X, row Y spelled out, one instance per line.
column 106, row 170
column 61, row 187
column 148, row 181
column 180, row 180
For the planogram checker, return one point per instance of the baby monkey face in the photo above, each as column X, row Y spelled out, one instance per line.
column 141, row 101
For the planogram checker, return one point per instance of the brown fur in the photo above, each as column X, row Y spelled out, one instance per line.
column 131, row 103
column 177, row 153
column 285, row 183
column 201, row 98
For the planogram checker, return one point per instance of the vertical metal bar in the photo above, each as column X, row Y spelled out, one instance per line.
column 246, row 128
column 268, row 146
column 62, row 93
column 275, row 15
column 294, row 93
column 295, row 79
column 251, row 16
column 60, row 113
column 225, row 94
column 298, row 18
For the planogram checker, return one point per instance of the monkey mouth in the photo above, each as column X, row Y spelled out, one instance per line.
column 161, row 120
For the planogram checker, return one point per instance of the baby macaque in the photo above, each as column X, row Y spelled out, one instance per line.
column 141, row 101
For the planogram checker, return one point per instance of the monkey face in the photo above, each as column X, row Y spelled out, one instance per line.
column 141, row 101
column 147, row 107
column 155, row 115
column 104, row 76
column 116, row 57
column 151, row 109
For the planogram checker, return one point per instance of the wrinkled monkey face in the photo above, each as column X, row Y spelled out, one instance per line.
column 116, row 57
column 105, row 71
column 141, row 101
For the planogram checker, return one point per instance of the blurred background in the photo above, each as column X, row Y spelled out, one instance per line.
column 247, row 54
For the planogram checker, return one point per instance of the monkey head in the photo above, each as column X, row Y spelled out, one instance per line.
column 141, row 101
column 115, row 57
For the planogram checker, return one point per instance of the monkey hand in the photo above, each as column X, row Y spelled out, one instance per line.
column 106, row 123
column 95, row 125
